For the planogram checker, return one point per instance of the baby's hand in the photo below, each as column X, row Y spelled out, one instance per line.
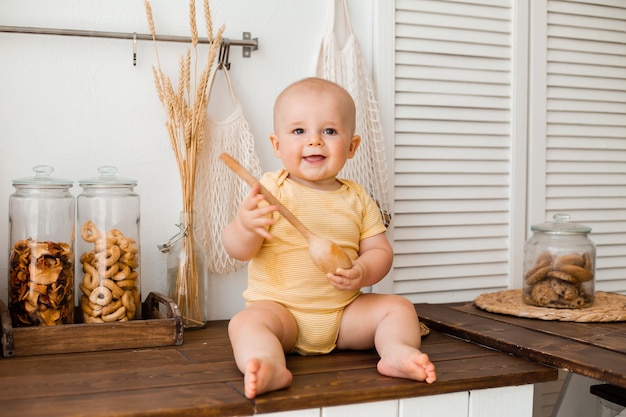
column 347, row 279
column 254, row 218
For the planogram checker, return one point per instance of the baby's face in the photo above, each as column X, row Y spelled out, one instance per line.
column 314, row 135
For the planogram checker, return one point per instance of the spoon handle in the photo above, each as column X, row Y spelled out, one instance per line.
column 249, row 178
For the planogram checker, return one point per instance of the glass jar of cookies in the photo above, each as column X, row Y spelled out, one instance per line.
column 108, row 274
column 41, row 252
column 559, row 265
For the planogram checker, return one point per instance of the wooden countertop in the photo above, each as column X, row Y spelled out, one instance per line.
column 595, row 350
column 200, row 378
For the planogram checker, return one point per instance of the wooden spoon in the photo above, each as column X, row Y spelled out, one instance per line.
column 326, row 255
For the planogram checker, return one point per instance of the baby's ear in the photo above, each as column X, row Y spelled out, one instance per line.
column 354, row 144
column 275, row 144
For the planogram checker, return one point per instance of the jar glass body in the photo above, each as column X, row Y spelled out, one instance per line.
column 41, row 254
column 559, row 268
column 108, row 248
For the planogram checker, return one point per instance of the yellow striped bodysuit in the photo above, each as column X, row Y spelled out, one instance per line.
column 283, row 271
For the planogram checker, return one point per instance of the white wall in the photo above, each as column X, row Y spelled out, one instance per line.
column 79, row 103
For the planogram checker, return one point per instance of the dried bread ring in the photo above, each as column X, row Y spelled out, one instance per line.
column 127, row 299
column 90, row 279
column 116, row 234
column 113, row 306
column 130, row 247
column 87, row 257
column 103, row 244
column 84, row 289
column 101, row 296
column 129, row 303
column 123, row 273
column 116, row 315
column 89, row 309
column 106, row 273
column 113, row 287
column 89, row 232
column 108, row 256
column 127, row 284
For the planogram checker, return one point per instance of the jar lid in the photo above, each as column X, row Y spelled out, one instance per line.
column 107, row 178
column 561, row 224
column 43, row 178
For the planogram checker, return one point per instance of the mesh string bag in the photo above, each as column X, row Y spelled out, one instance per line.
column 340, row 60
column 218, row 193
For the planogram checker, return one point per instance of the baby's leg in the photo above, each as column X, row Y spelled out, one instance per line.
column 260, row 335
column 389, row 323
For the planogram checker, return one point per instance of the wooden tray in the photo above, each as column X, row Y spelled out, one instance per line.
column 162, row 325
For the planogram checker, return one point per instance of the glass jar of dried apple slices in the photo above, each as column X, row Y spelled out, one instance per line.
column 107, row 245
column 41, row 257
column 559, row 265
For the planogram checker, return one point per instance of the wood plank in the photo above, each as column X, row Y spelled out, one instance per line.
column 71, row 338
column 200, row 378
column 162, row 327
column 366, row 385
column 188, row 400
column 595, row 362
column 610, row 336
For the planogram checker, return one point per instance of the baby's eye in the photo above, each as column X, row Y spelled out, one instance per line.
column 298, row 131
column 330, row 131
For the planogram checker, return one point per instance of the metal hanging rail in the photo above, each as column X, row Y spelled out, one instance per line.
column 247, row 43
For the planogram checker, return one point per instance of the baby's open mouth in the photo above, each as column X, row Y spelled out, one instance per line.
column 314, row 158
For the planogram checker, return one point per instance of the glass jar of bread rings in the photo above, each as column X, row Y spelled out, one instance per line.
column 41, row 252
column 559, row 265
column 108, row 274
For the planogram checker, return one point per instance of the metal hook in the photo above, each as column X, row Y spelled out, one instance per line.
column 167, row 246
column 224, row 54
column 135, row 49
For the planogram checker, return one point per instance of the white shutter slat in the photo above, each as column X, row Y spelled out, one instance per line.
column 453, row 157
column 450, row 232
column 450, row 179
column 466, row 62
column 468, row 259
column 406, row 18
column 586, row 126
column 449, row 219
column 437, row 193
column 405, row 85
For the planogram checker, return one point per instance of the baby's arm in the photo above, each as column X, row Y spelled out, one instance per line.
column 243, row 237
column 373, row 263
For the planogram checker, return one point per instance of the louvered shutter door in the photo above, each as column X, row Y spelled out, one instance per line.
column 455, row 225
column 584, row 145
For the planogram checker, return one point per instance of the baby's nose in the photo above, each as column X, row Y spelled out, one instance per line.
column 314, row 140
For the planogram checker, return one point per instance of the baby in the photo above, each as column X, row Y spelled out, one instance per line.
column 292, row 306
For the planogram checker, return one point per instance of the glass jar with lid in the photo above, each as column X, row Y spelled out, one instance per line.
column 41, row 259
column 108, row 273
column 559, row 265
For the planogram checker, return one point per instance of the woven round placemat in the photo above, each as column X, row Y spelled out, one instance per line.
column 607, row 307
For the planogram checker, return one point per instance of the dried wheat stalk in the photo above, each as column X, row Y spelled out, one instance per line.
column 185, row 109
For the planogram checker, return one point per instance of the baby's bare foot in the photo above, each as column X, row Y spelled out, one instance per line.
column 407, row 362
column 264, row 376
